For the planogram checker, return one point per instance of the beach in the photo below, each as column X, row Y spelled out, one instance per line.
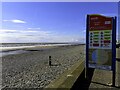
column 31, row 69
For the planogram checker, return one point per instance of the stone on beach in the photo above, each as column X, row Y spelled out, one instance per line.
column 31, row 70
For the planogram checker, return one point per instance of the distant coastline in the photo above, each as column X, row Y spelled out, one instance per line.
column 29, row 44
column 18, row 48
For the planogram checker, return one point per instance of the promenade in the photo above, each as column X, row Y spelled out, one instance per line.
column 103, row 78
column 99, row 79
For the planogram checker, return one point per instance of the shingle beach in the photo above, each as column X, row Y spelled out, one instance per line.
column 31, row 69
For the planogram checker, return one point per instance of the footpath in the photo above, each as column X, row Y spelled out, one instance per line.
column 103, row 78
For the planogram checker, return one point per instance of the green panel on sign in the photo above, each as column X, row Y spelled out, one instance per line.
column 107, row 35
column 107, row 32
column 96, row 32
column 96, row 41
column 96, row 35
column 95, row 38
column 107, row 38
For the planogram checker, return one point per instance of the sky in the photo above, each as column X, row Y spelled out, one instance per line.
column 24, row 22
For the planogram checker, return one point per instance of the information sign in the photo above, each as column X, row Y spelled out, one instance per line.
column 100, row 41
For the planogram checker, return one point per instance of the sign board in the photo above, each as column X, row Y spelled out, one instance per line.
column 100, row 39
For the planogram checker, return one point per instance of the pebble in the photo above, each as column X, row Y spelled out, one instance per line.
column 31, row 70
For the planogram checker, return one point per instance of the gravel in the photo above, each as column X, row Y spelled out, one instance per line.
column 31, row 70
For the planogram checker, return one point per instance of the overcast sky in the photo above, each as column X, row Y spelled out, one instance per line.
column 49, row 21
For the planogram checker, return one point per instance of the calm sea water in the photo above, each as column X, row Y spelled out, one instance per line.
column 32, row 44
column 14, row 48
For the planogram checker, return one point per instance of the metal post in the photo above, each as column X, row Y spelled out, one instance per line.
column 49, row 60
column 114, row 52
column 87, row 45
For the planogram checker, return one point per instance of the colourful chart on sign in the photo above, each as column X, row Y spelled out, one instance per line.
column 100, row 39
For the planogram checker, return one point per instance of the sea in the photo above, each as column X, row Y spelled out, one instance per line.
column 17, row 48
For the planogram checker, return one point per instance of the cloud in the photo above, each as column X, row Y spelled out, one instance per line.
column 8, row 35
column 7, row 31
column 66, row 38
column 15, row 21
column 84, row 31
column 24, row 36
column 33, row 28
column 31, row 31
column 23, row 31
column 109, row 14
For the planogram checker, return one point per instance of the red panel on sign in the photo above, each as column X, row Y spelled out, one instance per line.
column 95, row 44
column 106, row 41
column 98, row 22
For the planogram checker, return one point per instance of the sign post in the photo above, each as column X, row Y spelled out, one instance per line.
column 114, row 51
column 101, row 43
